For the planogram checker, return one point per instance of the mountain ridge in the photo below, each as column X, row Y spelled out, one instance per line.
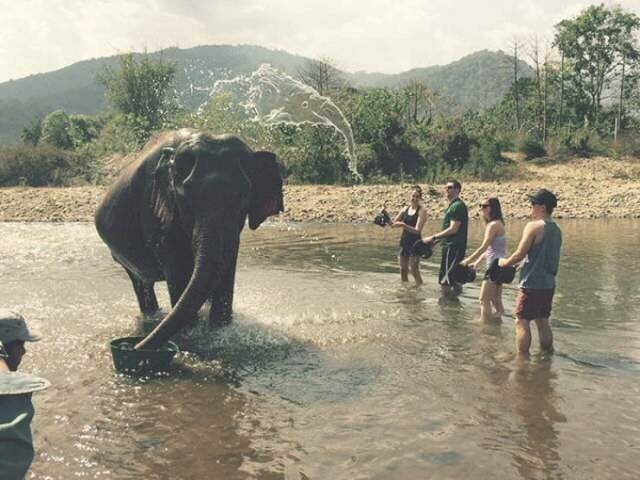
column 474, row 81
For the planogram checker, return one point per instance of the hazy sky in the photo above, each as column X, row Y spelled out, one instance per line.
column 374, row 35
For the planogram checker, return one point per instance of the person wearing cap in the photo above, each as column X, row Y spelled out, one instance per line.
column 453, row 236
column 16, row 409
column 539, row 247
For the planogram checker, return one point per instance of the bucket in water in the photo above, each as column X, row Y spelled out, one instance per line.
column 382, row 218
column 137, row 362
column 421, row 249
column 498, row 274
column 462, row 274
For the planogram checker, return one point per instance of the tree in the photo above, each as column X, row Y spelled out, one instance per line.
column 32, row 132
column 420, row 101
column 598, row 44
column 141, row 86
column 542, row 69
column 516, row 93
column 320, row 159
column 323, row 76
column 55, row 130
column 83, row 129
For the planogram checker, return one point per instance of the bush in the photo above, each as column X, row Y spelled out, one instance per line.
column 486, row 160
column 628, row 145
column 321, row 159
column 121, row 134
column 585, row 142
column 43, row 165
column 531, row 147
column 83, row 129
column 456, row 145
column 55, row 130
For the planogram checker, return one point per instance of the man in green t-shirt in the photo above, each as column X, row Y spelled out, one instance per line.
column 453, row 236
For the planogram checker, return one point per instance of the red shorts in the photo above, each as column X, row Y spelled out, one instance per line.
column 534, row 303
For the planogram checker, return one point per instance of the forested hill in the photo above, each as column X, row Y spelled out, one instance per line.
column 475, row 81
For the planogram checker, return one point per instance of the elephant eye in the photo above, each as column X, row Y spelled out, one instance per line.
column 184, row 165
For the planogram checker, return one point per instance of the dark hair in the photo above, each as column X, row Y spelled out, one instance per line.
column 12, row 345
column 546, row 198
column 495, row 210
column 456, row 184
column 418, row 188
column 11, row 348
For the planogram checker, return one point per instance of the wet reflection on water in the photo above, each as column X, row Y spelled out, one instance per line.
column 332, row 369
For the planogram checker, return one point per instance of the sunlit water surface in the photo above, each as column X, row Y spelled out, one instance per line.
column 332, row 368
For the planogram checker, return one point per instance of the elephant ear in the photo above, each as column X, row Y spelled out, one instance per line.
column 164, row 201
column 266, row 189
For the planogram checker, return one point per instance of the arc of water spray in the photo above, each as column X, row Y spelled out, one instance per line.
column 271, row 97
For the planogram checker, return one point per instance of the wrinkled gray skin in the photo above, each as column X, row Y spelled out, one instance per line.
column 176, row 214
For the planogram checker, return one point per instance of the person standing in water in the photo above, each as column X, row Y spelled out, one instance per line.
column 540, row 248
column 494, row 245
column 411, row 219
column 453, row 235
column 16, row 409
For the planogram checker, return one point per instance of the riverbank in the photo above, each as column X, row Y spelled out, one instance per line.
column 586, row 188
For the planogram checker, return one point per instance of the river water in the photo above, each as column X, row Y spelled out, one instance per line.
column 332, row 368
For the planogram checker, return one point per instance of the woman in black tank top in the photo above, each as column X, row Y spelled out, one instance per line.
column 411, row 219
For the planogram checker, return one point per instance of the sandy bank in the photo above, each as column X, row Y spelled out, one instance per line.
column 586, row 188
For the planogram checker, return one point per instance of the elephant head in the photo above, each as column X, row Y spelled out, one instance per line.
column 266, row 191
column 204, row 187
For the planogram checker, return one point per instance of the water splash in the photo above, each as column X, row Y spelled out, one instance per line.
column 272, row 97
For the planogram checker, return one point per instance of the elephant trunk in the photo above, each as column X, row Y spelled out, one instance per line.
column 209, row 243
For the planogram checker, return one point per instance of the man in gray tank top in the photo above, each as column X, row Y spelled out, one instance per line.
column 540, row 248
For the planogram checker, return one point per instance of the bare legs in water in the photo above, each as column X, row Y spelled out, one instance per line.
column 412, row 264
column 491, row 308
column 523, row 335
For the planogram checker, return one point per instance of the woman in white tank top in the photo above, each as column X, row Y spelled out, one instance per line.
column 494, row 245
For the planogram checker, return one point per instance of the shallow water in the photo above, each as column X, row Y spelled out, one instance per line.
column 332, row 369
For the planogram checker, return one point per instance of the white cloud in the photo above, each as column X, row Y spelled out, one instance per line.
column 375, row 35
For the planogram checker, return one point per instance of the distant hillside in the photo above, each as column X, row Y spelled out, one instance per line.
column 74, row 88
column 475, row 81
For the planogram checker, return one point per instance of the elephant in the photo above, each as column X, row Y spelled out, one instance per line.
column 176, row 213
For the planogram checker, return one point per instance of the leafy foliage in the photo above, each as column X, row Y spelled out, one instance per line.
column 32, row 133
column 475, row 81
column 531, row 147
column 596, row 44
column 42, row 165
column 407, row 127
column 321, row 159
column 141, row 88
column 56, row 130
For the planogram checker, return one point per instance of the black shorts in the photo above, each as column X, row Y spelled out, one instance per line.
column 486, row 278
column 406, row 245
column 451, row 256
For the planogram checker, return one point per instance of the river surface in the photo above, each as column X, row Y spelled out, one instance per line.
column 333, row 369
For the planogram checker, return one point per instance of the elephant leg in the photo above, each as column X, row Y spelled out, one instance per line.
column 222, row 299
column 145, row 294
